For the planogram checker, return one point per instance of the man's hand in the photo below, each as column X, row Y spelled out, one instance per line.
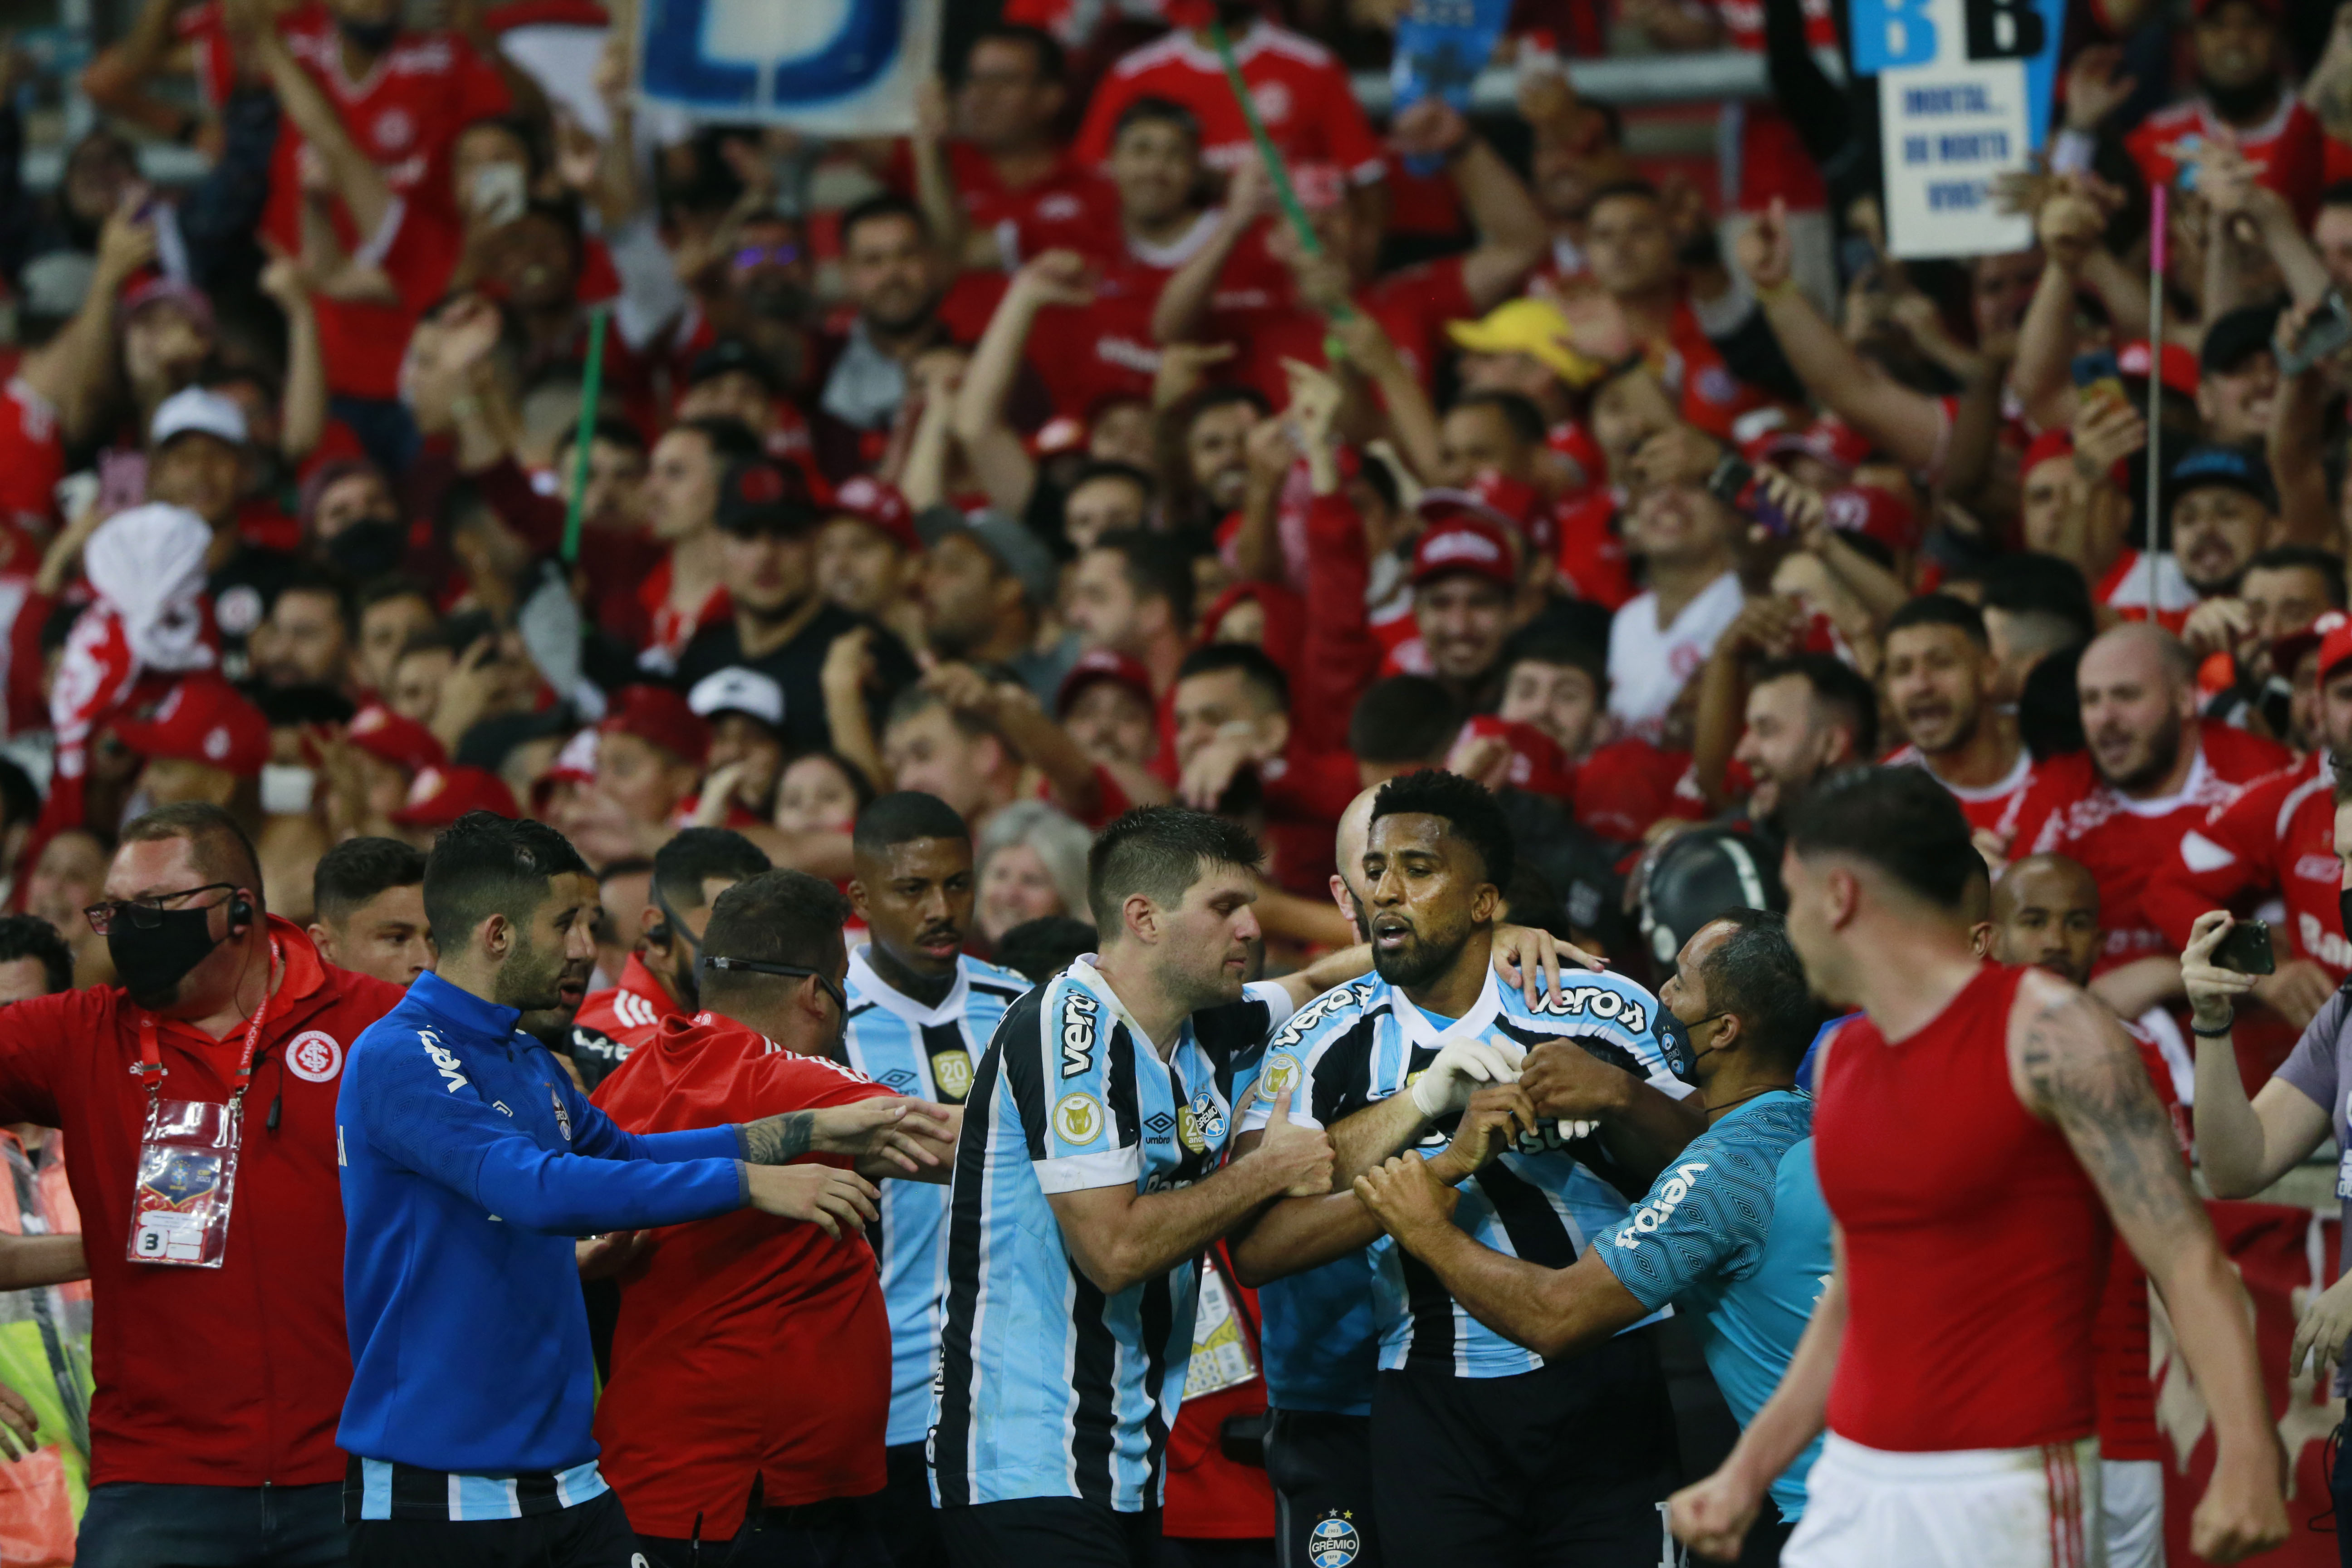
column 2219, row 625
column 1293, row 1154
column 1269, row 451
column 1712, row 1517
column 849, row 664
column 2106, row 433
column 1767, row 625
column 963, row 689
column 1057, row 277
column 1214, row 766
column 825, row 1197
column 1446, row 1085
column 1407, row 1198
column 18, row 1424
column 602, row 1257
column 125, row 243
column 2296, row 992
column 2244, row 1511
column 2326, row 1324
column 1183, row 369
column 1568, row 1083
column 1430, row 128
column 1764, row 250
column 1497, row 1117
column 2096, row 87
column 2212, row 990
column 912, row 1134
column 1531, row 960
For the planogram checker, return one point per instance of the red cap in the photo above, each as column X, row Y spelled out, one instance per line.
column 1469, row 543
column 1828, row 439
column 871, row 501
column 1880, row 513
column 1103, row 664
column 1537, row 764
column 2045, row 447
column 202, row 718
column 660, row 717
column 2331, row 634
column 441, row 796
column 2180, row 365
column 403, row 743
column 575, row 764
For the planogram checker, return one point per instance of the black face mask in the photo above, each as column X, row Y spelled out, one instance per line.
column 151, row 961
column 1674, row 1043
column 370, row 37
column 369, row 549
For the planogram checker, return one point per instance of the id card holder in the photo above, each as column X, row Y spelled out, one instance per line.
column 185, row 1183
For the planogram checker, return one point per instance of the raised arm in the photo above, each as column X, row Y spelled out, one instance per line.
column 1182, row 310
column 2073, row 1065
column 1512, row 236
column 305, row 419
column 2243, row 1146
column 366, row 194
column 2297, row 442
column 1006, row 470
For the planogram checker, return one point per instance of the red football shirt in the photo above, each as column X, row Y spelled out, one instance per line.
column 2288, row 151
column 32, row 457
column 1412, row 305
column 747, row 1345
column 1989, row 807
column 630, row 1015
column 2277, row 839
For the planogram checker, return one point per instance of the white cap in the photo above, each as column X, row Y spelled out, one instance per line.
column 736, row 690
column 193, row 408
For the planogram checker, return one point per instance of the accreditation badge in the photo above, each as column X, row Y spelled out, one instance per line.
column 1223, row 1356
column 183, row 1184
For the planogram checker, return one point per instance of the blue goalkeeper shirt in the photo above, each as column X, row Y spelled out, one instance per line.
column 469, row 1164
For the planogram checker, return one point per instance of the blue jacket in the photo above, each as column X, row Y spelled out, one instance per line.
column 469, row 1164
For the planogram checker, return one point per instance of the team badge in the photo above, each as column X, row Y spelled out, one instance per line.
column 1207, row 1121
column 563, row 1117
column 1079, row 1118
column 951, row 1071
column 314, row 1056
column 185, row 1176
column 1187, row 1130
column 1333, row 1541
column 1280, row 1074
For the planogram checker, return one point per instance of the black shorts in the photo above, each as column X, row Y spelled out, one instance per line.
column 593, row 1535
column 902, row 1511
column 836, row 1533
column 1048, row 1532
column 1567, row 1465
column 1322, row 1467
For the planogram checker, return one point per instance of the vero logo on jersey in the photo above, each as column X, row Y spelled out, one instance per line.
column 1081, row 1014
column 1654, row 1214
column 445, row 1061
column 1600, row 1002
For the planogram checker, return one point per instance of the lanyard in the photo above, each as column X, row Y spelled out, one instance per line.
column 151, row 1055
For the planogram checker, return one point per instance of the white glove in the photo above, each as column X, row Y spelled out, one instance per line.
column 1446, row 1085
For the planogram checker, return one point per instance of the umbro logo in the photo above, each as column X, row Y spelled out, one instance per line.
column 898, row 1078
column 1159, row 1125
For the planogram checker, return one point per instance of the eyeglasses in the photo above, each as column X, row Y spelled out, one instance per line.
column 791, row 971
column 145, row 913
column 753, row 256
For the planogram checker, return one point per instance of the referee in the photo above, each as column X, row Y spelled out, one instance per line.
column 469, row 1164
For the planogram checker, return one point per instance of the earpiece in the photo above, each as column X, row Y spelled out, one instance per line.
column 240, row 913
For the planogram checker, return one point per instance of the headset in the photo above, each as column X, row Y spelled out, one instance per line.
column 240, row 910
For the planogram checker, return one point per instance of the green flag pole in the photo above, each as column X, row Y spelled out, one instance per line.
column 591, row 394
column 1283, row 192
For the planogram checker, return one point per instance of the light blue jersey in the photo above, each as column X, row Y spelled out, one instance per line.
column 1046, row 1387
column 929, row 1053
column 1736, row 1228
column 1358, row 1044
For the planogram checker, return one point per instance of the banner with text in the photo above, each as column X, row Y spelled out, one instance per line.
column 832, row 67
column 1964, row 94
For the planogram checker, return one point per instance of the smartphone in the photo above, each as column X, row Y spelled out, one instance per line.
column 2247, row 949
column 1734, row 483
column 2329, row 330
column 2096, row 374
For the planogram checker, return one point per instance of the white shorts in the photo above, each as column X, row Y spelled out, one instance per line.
column 2131, row 1510
column 1982, row 1508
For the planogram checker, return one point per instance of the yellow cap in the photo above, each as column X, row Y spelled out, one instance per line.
column 1535, row 327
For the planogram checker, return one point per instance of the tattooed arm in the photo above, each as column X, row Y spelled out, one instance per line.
column 2073, row 1065
column 887, row 1135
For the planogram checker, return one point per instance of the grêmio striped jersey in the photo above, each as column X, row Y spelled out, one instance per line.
column 1359, row 1043
column 1046, row 1387
column 929, row 1053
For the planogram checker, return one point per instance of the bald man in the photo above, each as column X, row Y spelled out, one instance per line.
column 2045, row 913
column 2150, row 776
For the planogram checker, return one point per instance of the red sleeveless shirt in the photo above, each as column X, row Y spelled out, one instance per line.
column 1976, row 1247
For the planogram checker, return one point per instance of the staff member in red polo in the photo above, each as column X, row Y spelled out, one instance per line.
column 197, row 1100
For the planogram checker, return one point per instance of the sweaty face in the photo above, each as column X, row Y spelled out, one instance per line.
column 2131, row 715
column 385, row 937
column 551, row 956
column 1015, row 887
column 1937, row 681
column 1155, row 165
column 887, row 266
column 1463, row 621
column 2215, row 531
column 2048, row 917
column 1628, row 244
column 1112, row 724
column 926, row 751
column 1560, row 699
column 1786, row 744
column 916, row 898
column 681, row 490
column 1426, row 893
column 1215, row 450
column 814, row 796
column 203, row 473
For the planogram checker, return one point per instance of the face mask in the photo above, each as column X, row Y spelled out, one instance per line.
column 1675, row 1041
column 369, row 549
column 370, row 37
column 151, row 961
column 285, row 790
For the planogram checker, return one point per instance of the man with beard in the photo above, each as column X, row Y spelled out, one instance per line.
column 2151, row 774
column 2223, row 506
column 986, row 581
column 2241, row 98
column 221, row 1003
column 1942, row 682
column 2045, row 912
column 1216, row 427
column 779, row 625
column 2284, row 590
column 468, row 1162
column 1479, row 1447
column 2276, row 839
column 920, row 1015
column 1810, row 716
column 890, row 267
column 661, row 977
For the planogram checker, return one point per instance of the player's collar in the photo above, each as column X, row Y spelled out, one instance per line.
column 1082, row 972
column 866, row 985
column 1421, row 1033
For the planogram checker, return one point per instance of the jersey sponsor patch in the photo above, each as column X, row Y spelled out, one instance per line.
column 1655, row 1213
column 1598, row 1002
column 1079, row 1118
column 445, row 1061
column 1081, row 1016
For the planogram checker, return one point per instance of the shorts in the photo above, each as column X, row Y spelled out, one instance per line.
column 593, row 1535
column 1568, row 1464
column 2131, row 1511
column 1976, row 1508
column 1048, row 1532
column 902, row 1511
column 1321, row 1467
column 835, row 1533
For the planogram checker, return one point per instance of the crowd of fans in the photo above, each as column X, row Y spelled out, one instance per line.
column 1057, row 459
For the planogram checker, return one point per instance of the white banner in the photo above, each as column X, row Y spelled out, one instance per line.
column 832, row 67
